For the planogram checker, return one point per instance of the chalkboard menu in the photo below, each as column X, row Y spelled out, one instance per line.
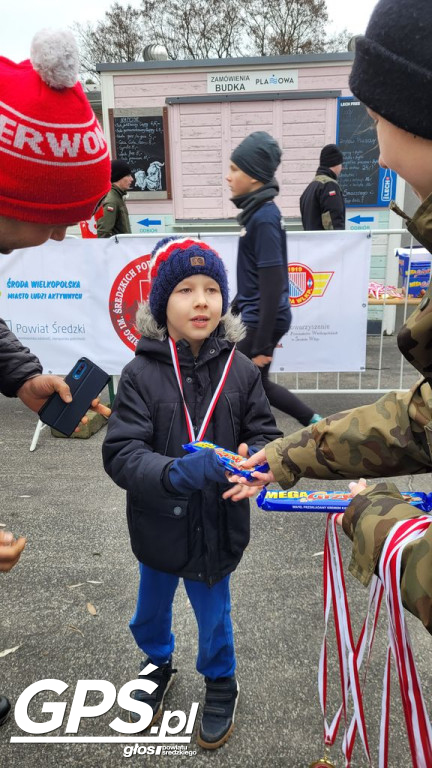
column 363, row 182
column 140, row 137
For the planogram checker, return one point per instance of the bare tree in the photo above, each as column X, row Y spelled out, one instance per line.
column 195, row 29
column 277, row 27
column 204, row 29
column 118, row 37
column 338, row 42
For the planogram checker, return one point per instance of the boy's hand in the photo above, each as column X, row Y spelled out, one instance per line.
column 259, row 478
column 10, row 550
column 195, row 471
column 240, row 491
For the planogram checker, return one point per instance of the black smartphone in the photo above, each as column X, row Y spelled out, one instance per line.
column 86, row 380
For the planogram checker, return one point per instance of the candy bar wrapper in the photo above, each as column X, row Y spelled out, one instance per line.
column 324, row 501
column 231, row 461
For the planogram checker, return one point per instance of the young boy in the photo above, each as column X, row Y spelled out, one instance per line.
column 186, row 382
column 262, row 271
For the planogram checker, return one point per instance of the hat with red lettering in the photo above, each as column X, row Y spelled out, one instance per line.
column 54, row 161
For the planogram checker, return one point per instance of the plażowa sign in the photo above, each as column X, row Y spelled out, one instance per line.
column 252, row 80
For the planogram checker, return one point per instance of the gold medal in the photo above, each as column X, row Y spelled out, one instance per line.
column 323, row 763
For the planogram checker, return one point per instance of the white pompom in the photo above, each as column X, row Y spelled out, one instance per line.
column 54, row 55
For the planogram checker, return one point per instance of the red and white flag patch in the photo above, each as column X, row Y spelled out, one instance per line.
column 332, row 193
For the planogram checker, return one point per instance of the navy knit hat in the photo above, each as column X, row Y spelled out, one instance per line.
column 392, row 70
column 331, row 156
column 119, row 169
column 175, row 259
column 258, row 155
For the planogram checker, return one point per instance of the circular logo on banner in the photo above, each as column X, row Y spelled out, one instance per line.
column 300, row 283
column 130, row 287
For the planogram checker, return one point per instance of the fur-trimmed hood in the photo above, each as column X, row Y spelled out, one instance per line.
column 230, row 327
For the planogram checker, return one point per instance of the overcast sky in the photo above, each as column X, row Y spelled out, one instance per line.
column 20, row 19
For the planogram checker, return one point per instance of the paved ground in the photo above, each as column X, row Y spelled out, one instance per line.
column 74, row 518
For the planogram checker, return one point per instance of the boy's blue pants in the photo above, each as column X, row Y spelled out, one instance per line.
column 151, row 624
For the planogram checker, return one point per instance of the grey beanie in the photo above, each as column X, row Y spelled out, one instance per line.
column 258, row 155
column 392, row 70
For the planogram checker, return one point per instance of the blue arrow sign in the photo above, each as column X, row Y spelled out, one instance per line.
column 150, row 222
column 359, row 219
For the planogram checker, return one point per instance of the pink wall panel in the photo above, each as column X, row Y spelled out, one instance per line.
column 202, row 135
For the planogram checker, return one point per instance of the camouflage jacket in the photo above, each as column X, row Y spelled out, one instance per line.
column 115, row 219
column 388, row 438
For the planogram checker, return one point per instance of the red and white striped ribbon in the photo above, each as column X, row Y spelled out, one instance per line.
column 215, row 398
column 350, row 654
column 351, row 657
column 416, row 716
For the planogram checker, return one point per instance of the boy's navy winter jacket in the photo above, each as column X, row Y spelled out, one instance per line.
column 201, row 536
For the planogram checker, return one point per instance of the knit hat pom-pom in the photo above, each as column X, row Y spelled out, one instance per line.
column 54, row 55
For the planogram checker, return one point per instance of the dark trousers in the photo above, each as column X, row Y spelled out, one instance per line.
column 278, row 396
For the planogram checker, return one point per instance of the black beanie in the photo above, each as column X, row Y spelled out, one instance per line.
column 119, row 169
column 258, row 155
column 392, row 70
column 331, row 156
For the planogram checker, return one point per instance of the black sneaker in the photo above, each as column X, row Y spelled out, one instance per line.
column 163, row 676
column 220, row 705
column 5, row 708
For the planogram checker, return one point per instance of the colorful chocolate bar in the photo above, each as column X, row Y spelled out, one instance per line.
column 231, row 461
column 325, row 501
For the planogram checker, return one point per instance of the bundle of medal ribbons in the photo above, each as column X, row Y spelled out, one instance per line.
column 385, row 589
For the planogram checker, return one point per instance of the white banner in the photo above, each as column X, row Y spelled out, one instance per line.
column 328, row 276
column 79, row 297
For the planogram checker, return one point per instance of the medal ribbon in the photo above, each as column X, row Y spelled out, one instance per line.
column 215, row 398
column 350, row 658
column 416, row 717
column 350, row 655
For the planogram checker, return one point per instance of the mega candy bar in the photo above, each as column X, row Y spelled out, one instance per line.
column 325, row 501
column 231, row 461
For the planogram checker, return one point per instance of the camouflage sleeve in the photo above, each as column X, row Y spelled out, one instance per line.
column 367, row 521
column 106, row 223
column 377, row 440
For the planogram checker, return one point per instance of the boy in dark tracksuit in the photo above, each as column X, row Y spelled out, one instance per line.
column 182, row 520
column 262, row 271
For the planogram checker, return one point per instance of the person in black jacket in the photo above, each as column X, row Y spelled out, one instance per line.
column 322, row 204
column 43, row 191
column 54, row 138
column 262, row 271
column 182, row 519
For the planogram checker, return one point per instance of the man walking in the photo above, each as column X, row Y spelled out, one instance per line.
column 115, row 219
column 322, row 204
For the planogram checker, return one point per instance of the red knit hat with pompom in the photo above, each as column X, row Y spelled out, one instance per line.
column 54, row 161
